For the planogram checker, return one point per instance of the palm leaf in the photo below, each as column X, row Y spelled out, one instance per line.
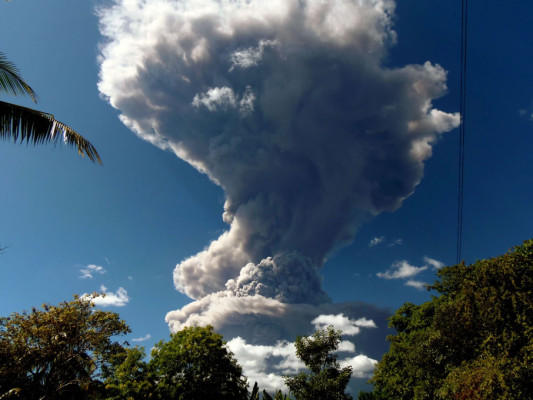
column 255, row 392
column 10, row 80
column 266, row 396
column 37, row 127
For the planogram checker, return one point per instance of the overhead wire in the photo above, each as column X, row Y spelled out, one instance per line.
column 462, row 127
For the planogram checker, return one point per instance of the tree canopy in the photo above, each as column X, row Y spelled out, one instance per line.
column 195, row 364
column 33, row 126
column 68, row 352
column 57, row 352
column 325, row 380
column 127, row 376
column 473, row 341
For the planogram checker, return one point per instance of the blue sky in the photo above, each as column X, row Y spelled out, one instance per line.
column 145, row 210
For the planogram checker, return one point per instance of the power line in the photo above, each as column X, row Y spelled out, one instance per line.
column 462, row 110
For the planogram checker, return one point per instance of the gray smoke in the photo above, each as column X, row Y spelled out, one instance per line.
column 287, row 277
column 286, row 105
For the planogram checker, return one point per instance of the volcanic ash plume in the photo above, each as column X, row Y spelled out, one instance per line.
column 286, row 105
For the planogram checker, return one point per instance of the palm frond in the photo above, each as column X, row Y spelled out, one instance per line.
column 37, row 127
column 10, row 80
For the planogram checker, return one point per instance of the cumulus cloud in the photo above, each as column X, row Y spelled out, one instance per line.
column 266, row 364
column 416, row 284
column 343, row 323
column 346, row 346
column 362, row 366
column 404, row 270
column 118, row 299
column 90, row 270
column 435, row 264
column 401, row 270
column 265, row 321
column 142, row 339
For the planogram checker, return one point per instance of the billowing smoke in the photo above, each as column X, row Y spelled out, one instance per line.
column 287, row 106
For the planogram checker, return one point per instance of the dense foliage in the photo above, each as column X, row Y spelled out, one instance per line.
column 67, row 352
column 57, row 352
column 128, row 376
column 325, row 380
column 195, row 364
column 473, row 341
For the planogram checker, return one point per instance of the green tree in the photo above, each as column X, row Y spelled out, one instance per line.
column 32, row 126
column 473, row 341
column 127, row 376
column 277, row 396
column 255, row 392
column 57, row 352
column 195, row 364
column 326, row 380
column 369, row 396
column 280, row 396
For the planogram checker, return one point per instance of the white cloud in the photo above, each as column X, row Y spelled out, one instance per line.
column 362, row 366
column 376, row 241
column 346, row 346
column 264, row 320
column 401, row 270
column 416, row 284
column 264, row 330
column 365, row 323
column 91, row 269
column 343, row 323
column 118, row 299
column 266, row 364
column 142, row 339
column 435, row 264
